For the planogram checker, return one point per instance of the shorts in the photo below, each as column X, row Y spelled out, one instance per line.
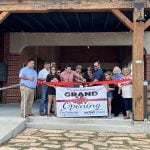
column 109, row 94
column 51, row 91
column 128, row 103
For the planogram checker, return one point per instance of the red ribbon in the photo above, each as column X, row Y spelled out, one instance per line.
column 62, row 83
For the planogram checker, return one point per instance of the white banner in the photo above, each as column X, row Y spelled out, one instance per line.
column 78, row 102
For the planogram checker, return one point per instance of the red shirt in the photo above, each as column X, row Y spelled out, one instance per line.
column 65, row 76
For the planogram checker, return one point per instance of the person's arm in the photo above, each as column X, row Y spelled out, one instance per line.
column 119, row 89
column 99, row 76
column 78, row 77
column 111, row 88
column 130, row 80
column 22, row 76
column 26, row 78
column 96, row 78
column 40, row 77
column 59, row 79
column 48, row 78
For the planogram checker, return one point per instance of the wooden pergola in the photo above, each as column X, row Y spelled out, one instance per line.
column 116, row 7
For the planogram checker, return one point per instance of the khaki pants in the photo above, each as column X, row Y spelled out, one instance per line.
column 27, row 97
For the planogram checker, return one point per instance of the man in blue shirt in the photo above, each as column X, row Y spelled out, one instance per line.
column 28, row 82
column 98, row 74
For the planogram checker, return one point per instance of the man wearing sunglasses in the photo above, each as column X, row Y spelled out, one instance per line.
column 98, row 74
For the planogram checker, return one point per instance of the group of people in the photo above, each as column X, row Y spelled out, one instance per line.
column 119, row 95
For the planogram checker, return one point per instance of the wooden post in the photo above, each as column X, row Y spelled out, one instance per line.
column 138, row 67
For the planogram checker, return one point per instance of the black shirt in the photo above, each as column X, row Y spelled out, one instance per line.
column 50, row 77
column 87, row 77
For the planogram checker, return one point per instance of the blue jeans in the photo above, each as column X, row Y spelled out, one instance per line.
column 44, row 99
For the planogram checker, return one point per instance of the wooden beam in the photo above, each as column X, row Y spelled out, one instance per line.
column 4, row 15
column 122, row 18
column 63, row 5
column 138, row 67
column 147, row 24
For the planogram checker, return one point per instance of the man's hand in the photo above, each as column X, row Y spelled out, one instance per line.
column 31, row 78
column 42, row 79
column 27, row 78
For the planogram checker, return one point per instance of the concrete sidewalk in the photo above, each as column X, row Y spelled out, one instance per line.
column 10, row 127
column 11, row 123
column 13, row 110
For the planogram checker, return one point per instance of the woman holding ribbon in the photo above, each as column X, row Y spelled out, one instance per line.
column 117, row 103
column 126, row 88
column 110, row 88
column 52, row 77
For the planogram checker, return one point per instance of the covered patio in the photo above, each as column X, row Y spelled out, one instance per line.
column 76, row 16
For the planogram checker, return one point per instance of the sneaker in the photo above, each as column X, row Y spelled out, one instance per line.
column 109, row 117
column 24, row 116
column 42, row 114
column 127, row 117
column 30, row 114
column 48, row 115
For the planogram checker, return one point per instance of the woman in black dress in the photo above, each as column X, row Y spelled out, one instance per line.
column 52, row 77
column 88, row 76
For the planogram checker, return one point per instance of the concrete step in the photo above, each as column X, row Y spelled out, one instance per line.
column 95, row 120
column 88, row 124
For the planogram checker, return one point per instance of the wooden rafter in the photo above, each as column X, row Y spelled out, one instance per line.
column 4, row 15
column 122, row 18
column 147, row 24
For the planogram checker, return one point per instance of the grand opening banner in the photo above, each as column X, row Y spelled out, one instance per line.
column 81, row 102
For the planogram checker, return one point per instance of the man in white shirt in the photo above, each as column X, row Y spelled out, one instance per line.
column 44, row 97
